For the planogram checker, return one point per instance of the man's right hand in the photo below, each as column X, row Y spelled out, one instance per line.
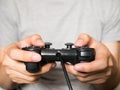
column 14, row 57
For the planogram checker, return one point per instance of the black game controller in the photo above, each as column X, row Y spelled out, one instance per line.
column 68, row 55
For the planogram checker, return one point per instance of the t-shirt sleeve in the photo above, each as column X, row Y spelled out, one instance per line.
column 8, row 22
column 111, row 30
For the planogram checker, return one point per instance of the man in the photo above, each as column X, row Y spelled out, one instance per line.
column 94, row 23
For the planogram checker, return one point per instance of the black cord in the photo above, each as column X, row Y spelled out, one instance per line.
column 66, row 75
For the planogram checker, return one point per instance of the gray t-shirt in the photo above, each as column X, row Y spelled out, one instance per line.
column 59, row 21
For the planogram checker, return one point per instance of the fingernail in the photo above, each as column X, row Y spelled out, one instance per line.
column 79, row 43
column 78, row 68
column 36, row 58
column 39, row 42
column 53, row 65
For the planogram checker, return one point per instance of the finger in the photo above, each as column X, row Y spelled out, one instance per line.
column 22, row 81
column 98, row 81
column 35, row 40
column 22, row 78
column 25, row 56
column 42, row 70
column 70, row 69
column 94, row 81
column 46, row 68
column 96, row 75
column 20, row 66
column 14, row 65
column 93, row 66
column 85, row 39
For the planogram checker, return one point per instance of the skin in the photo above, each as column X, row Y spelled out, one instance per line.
column 101, row 72
column 104, row 71
column 12, row 59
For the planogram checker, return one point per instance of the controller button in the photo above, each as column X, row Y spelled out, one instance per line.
column 69, row 45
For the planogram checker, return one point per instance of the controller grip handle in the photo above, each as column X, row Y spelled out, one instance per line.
column 32, row 67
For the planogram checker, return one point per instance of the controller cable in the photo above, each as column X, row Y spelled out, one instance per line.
column 66, row 74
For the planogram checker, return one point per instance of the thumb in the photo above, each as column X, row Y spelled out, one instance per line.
column 84, row 39
column 35, row 40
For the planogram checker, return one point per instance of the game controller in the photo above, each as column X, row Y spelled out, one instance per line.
column 68, row 55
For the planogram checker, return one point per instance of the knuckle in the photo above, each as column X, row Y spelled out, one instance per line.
column 16, row 81
column 85, row 35
column 13, row 53
column 36, row 36
column 108, row 73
